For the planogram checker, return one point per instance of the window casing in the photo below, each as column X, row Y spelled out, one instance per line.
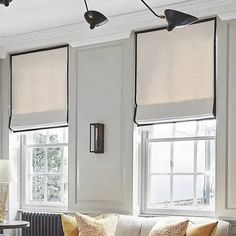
column 45, row 167
column 178, row 168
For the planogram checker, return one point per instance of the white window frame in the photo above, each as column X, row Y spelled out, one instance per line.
column 44, row 205
column 146, row 173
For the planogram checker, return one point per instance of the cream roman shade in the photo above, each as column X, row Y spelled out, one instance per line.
column 39, row 89
column 175, row 74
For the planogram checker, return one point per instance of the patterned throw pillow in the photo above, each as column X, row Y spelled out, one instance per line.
column 88, row 226
column 202, row 230
column 176, row 229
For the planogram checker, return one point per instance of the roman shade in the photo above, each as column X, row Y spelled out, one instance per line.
column 39, row 89
column 175, row 74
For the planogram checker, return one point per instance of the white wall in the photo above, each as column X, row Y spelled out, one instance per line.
column 105, row 94
column 13, row 154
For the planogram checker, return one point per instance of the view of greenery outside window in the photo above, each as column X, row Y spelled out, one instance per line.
column 46, row 160
column 179, row 165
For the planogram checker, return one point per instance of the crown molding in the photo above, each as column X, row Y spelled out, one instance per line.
column 119, row 27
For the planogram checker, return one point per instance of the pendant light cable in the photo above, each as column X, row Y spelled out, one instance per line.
column 86, row 5
column 162, row 17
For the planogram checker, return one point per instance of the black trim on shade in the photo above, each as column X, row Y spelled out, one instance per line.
column 10, row 115
column 165, row 28
column 179, row 121
column 215, row 68
column 135, row 92
column 37, row 129
column 11, row 86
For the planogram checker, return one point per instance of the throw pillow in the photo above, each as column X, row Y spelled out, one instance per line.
column 88, row 226
column 175, row 229
column 70, row 226
column 201, row 230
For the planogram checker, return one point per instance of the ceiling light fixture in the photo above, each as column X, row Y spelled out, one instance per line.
column 94, row 18
column 175, row 19
column 5, row 2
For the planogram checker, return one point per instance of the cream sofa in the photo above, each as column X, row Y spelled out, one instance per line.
column 139, row 226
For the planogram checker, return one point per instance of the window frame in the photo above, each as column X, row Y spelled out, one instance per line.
column 145, row 175
column 45, row 206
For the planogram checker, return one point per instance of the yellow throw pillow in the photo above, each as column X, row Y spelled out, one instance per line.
column 176, row 229
column 88, row 226
column 70, row 225
column 201, row 230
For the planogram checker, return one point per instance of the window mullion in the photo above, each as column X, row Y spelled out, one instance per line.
column 195, row 175
column 46, row 175
column 172, row 167
column 62, row 176
column 195, row 167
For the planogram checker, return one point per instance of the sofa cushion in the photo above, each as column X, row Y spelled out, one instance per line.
column 141, row 226
column 129, row 226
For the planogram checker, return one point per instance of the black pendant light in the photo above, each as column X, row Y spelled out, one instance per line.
column 5, row 2
column 94, row 18
column 175, row 19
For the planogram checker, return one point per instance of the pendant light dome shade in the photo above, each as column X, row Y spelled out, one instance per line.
column 95, row 18
column 5, row 2
column 178, row 19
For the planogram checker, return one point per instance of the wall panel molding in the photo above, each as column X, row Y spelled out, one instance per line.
column 105, row 88
column 226, row 177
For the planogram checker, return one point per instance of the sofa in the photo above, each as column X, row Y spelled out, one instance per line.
column 140, row 226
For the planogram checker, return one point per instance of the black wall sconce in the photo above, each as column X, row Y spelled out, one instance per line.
column 97, row 138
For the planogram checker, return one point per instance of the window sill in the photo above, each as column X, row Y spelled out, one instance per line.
column 47, row 209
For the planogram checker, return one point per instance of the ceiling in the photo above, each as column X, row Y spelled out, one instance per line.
column 30, row 24
column 24, row 16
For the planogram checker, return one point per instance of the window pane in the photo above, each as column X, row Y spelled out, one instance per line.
column 50, row 136
column 159, row 157
column 46, row 167
column 54, row 188
column 183, row 156
column 183, row 190
column 162, row 131
column 160, row 190
column 207, row 128
column 38, row 160
column 38, row 188
column 205, row 190
column 185, row 129
column 205, row 156
column 37, row 138
column 58, row 136
column 182, row 165
column 54, row 160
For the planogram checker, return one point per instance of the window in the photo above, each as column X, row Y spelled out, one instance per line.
column 178, row 166
column 45, row 167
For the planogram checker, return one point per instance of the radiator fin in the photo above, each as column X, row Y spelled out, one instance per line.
column 42, row 224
